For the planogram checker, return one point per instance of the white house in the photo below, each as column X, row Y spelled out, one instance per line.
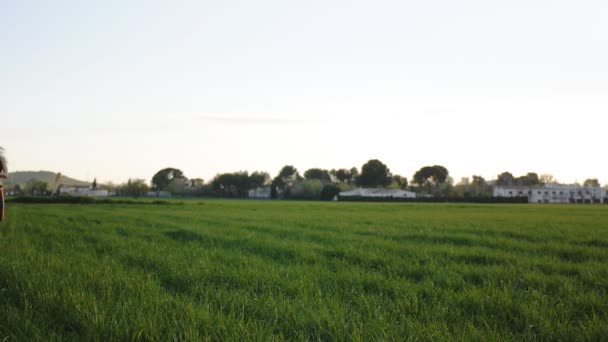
column 376, row 192
column 554, row 193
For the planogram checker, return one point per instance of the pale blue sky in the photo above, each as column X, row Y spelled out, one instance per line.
column 120, row 89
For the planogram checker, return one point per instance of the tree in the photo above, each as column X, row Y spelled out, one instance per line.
column 463, row 188
column 258, row 179
column 17, row 190
column 308, row 189
column 289, row 174
column 505, row 179
column 345, row 175
column 530, row 179
column 354, row 173
column 342, row 175
column 238, row 184
column 196, row 183
column 286, row 178
column 320, row 174
column 134, row 188
column 398, row 182
column 480, row 188
column 547, row 179
column 373, row 174
column 36, row 188
column 593, row 182
column 314, row 173
column 234, row 184
column 430, row 178
column 178, row 185
column 329, row 192
column 162, row 179
column 197, row 187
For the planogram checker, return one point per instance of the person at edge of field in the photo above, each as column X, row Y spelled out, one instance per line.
column 3, row 174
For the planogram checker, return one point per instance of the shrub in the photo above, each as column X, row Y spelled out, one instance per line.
column 309, row 189
column 329, row 191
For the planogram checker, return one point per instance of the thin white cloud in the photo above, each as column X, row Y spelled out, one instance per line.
column 251, row 119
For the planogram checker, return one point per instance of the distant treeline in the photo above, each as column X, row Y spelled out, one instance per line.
column 321, row 184
column 314, row 184
column 83, row 200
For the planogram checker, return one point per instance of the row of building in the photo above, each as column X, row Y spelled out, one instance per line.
column 547, row 193
column 554, row 193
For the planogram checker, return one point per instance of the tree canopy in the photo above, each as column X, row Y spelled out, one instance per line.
column 233, row 184
column 592, row 182
column 162, row 179
column 529, row 179
column 374, row 173
column 286, row 178
column 345, row 175
column 134, row 188
column 430, row 176
column 316, row 173
column 505, row 179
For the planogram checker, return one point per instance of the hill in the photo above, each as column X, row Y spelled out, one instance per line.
column 22, row 177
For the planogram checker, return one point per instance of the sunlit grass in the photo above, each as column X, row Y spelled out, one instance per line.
column 222, row 270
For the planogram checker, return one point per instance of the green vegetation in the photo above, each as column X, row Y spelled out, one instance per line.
column 262, row 270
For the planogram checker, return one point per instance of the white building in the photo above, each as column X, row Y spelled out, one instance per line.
column 83, row 191
column 260, row 193
column 375, row 192
column 554, row 193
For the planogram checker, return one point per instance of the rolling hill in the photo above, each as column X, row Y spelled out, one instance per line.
column 22, row 177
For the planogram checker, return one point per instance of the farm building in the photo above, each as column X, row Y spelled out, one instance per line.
column 83, row 191
column 376, row 192
column 260, row 193
column 554, row 193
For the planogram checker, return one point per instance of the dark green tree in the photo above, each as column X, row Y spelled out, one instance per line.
column 37, row 188
column 354, row 173
column 399, row 181
column 505, row 179
column 196, row 183
column 320, row 174
column 329, row 191
column 431, row 178
column 286, row 178
column 162, row 179
column 134, row 188
column 480, row 188
column 373, row 174
column 342, row 175
column 235, row 184
column 346, row 175
column 258, row 179
column 591, row 182
column 530, row 179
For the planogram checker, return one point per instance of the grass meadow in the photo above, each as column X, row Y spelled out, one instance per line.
column 261, row 270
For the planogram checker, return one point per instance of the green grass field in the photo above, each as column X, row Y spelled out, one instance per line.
column 227, row 270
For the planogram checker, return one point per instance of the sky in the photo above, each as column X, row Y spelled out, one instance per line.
column 120, row 89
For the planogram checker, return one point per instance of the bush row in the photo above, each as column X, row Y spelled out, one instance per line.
column 81, row 200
